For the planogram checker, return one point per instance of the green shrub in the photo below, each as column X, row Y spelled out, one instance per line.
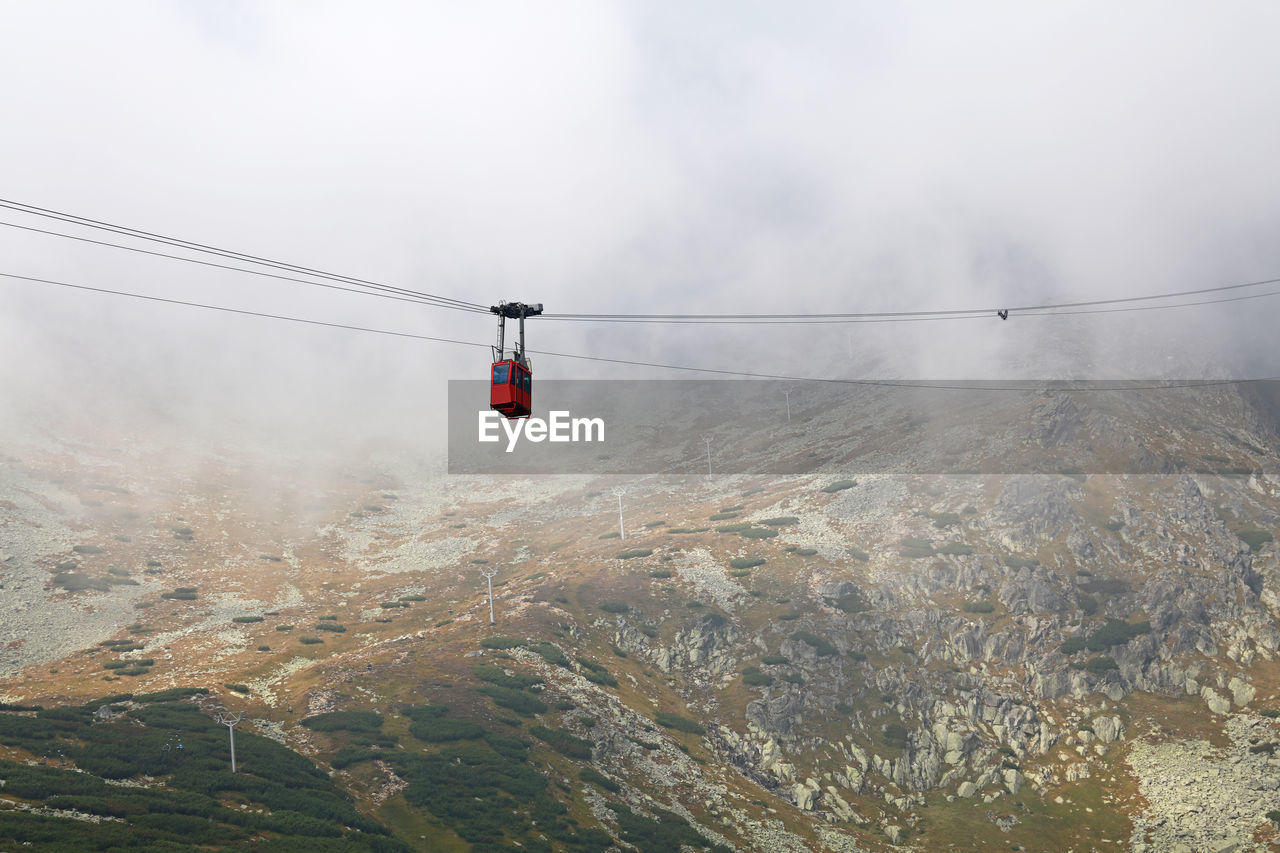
column 956, row 549
column 330, row 626
column 1101, row 664
column 238, row 688
column 806, row 552
column 562, row 742
column 793, row 678
column 819, row 644
column 413, row 598
column 614, row 606
column 496, row 675
column 851, row 602
column 310, row 641
column 1114, row 632
column 660, row 573
column 840, row 485
column 429, row 725
column 739, row 573
column 780, row 521
column 634, row 552
column 1269, row 712
column 551, row 653
column 774, row 660
column 501, row 643
column 687, row 529
column 859, row 555
column 603, row 678
column 942, row 520
column 345, row 721
column 978, row 607
column 675, row 721
column 1021, row 562
column 246, row 619
column 752, row 676
column 722, row 516
column 914, row 548
column 284, row 627
column 758, row 533
column 746, row 562
column 594, row 777
column 515, row 700
column 1254, row 538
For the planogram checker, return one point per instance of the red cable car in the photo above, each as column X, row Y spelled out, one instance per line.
column 511, row 379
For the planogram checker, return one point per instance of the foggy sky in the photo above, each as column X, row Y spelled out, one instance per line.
column 626, row 157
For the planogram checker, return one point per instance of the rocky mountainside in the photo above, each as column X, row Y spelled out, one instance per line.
column 1039, row 621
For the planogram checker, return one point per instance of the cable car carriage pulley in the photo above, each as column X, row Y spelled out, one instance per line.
column 511, row 379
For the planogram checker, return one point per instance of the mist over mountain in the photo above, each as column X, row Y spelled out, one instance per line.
column 896, row 571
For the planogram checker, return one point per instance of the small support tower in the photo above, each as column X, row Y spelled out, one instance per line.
column 511, row 379
column 230, row 722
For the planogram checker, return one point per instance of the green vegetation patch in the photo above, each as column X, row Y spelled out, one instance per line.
column 345, row 721
column 562, row 742
column 331, row 626
column 978, row 607
column 1254, row 538
column 595, row 777
column 746, row 562
column 614, row 606
column 753, row 676
column 634, row 552
column 956, row 549
column 515, row 700
column 915, row 548
column 664, row 832
column 851, row 602
column 660, row 573
column 287, row 798
column 758, row 533
column 688, row 529
column 551, row 653
column 840, row 485
column 501, row 643
column 245, row 620
column 310, row 641
column 1115, row 632
column 675, row 721
column 780, row 521
column 428, row 724
column 775, row 660
column 820, row 645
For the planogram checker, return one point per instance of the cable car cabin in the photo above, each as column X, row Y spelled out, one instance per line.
column 511, row 389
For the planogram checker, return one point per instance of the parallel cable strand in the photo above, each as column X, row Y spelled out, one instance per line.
column 945, row 386
column 226, row 253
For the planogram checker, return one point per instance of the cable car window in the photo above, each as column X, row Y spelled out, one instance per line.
column 500, row 374
column 528, row 379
